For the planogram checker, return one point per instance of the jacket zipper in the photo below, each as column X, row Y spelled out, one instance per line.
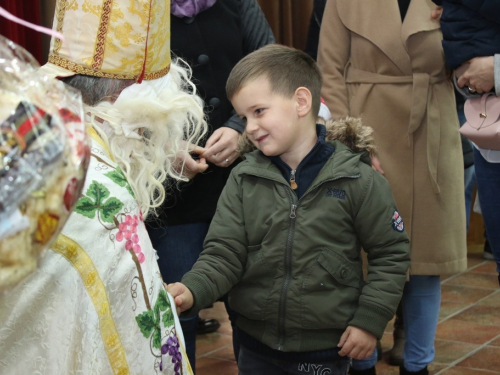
column 288, row 253
column 293, row 183
column 288, row 271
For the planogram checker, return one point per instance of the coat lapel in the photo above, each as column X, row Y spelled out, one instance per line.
column 418, row 19
column 379, row 24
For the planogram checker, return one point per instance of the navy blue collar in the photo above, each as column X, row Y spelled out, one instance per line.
column 310, row 166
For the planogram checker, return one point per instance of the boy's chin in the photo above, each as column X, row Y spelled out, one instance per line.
column 265, row 150
column 269, row 153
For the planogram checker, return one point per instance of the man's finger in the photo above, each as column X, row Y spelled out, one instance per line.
column 198, row 150
column 213, row 150
column 214, row 138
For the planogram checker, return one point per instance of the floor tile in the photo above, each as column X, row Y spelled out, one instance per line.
column 458, row 330
column 208, row 343
column 226, row 353
column 462, row 294
column 488, row 267
column 487, row 358
column 214, row 366
column 450, row 307
column 487, row 315
column 474, row 259
column 387, row 342
column 478, row 280
column 450, row 351
column 492, row 300
column 467, row 371
column 496, row 342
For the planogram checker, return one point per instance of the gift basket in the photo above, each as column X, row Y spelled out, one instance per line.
column 44, row 154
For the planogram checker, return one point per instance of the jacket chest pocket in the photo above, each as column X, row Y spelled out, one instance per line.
column 330, row 292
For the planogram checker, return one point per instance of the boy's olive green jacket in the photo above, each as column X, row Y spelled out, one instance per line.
column 293, row 267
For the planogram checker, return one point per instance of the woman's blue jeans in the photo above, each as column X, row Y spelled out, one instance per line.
column 488, row 189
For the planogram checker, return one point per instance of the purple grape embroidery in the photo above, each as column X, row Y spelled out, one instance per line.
column 171, row 347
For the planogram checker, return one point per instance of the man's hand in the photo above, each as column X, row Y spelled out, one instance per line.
column 221, row 147
column 187, row 165
column 479, row 76
column 357, row 343
column 182, row 296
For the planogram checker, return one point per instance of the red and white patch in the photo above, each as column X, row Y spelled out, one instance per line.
column 397, row 222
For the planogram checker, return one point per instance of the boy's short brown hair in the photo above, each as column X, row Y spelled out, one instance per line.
column 286, row 68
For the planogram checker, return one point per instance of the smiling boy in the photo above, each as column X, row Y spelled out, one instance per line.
column 290, row 225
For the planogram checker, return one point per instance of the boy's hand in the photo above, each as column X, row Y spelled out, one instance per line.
column 183, row 297
column 357, row 343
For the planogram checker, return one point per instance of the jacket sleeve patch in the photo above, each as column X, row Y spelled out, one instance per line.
column 397, row 222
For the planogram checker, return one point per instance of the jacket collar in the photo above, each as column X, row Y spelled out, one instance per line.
column 355, row 17
column 343, row 163
column 321, row 151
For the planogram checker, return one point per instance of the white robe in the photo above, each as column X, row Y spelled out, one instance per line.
column 92, row 307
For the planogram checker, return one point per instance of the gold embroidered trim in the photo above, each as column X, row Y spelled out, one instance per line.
column 80, row 69
column 101, row 34
column 80, row 260
column 158, row 74
column 184, row 355
column 61, row 10
column 95, row 136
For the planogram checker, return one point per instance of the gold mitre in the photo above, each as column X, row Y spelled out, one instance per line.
column 124, row 39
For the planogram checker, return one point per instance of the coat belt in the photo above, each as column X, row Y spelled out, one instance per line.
column 421, row 105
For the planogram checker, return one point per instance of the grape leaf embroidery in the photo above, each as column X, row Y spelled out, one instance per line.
column 118, row 177
column 95, row 200
column 149, row 320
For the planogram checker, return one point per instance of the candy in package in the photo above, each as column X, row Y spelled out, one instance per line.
column 44, row 153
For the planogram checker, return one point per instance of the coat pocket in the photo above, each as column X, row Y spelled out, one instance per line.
column 249, row 296
column 330, row 292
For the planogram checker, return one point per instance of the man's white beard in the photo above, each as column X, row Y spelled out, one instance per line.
column 145, row 129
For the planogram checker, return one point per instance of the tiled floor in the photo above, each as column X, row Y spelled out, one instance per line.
column 468, row 335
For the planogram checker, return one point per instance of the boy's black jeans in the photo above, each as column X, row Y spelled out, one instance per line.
column 250, row 363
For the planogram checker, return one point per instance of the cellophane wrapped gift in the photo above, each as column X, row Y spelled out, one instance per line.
column 44, row 154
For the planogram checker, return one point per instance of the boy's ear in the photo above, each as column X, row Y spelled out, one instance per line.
column 303, row 99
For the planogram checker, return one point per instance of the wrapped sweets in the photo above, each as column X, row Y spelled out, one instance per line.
column 43, row 159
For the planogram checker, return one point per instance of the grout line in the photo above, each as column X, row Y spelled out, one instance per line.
column 471, row 353
column 467, row 271
column 497, row 291
column 214, row 351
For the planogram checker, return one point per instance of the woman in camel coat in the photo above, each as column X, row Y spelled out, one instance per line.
column 392, row 74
